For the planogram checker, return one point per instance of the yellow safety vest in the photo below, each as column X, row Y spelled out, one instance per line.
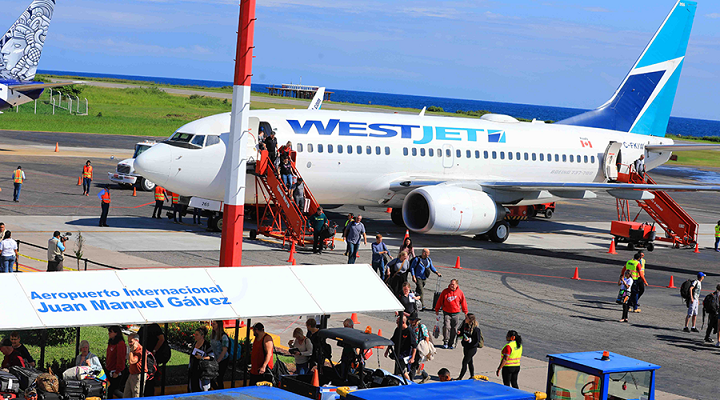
column 515, row 353
column 717, row 230
column 632, row 266
column 18, row 176
column 87, row 171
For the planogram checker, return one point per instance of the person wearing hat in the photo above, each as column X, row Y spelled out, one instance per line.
column 12, row 356
column 694, row 302
column 104, row 196
column 423, row 339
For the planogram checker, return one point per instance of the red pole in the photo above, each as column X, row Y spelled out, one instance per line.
column 235, row 153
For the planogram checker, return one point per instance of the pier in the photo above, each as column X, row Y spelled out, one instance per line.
column 297, row 91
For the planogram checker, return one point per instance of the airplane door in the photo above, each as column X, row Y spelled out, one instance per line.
column 448, row 156
column 610, row 161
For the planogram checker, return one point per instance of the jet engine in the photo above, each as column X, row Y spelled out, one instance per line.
column 450, row 210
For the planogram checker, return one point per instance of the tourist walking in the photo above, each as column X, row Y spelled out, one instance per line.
column 396, row 272
column 693, row 302
column 407, row 247
column 472, row 339
column 8, row 253
column 420, row 268
column 115, row 361
column 379, row 252
column 355, row 232
column 425, row 349
column 452, row 303
column 711, row 306
column 220, row 343
column 510, row 362
column 201, row 350
column 136, row 365
column 261, row 358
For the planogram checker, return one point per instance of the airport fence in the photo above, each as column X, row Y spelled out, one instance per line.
column 85, row 261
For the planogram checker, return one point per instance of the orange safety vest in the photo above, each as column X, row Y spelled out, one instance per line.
column 159, row 193
column 18, row 176
column 175, row 198
column 105, row 197
column 87, row 171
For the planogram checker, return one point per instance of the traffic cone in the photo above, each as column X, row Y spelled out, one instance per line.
column 79, row 180
column 407, row 235
column 316, row 378
column 56, row 147
column 292, row 252
column 354, row 319
column 576, row 276
column 368, row 329
column 612, row 247
column 134, row 191
column 457, row 263
column 389, row 210
column 697, row 249
column 380, row 334
column 293, row 262
column 671, row 285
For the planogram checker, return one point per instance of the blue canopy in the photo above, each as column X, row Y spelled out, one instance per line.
column 455, row 390
column 244, row 393
column 592, row 360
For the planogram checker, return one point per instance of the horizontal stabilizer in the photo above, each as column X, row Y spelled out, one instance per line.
column 657, row 148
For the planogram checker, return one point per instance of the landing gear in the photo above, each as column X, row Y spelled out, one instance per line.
column 145, row 185
column 397, row 218
column 500, row 232
column 215, row 223
column 253, row 234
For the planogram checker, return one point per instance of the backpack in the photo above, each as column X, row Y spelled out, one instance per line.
column 685, row 289
column 709, row 305
column 151, row 365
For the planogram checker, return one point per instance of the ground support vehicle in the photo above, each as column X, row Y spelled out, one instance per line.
column 635, row 234
column 515, row 214
column 124, row 173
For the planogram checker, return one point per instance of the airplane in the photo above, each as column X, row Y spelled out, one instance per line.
column 455, row 176
column 20, row 48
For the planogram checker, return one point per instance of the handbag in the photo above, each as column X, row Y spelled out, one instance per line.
column 387, row 258
column 209, row 369
column 59, row 258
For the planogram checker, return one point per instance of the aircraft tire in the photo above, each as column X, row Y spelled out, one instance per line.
column 500, row 232
column 145, row 185
column 548, row 213
column 397, row 218
column 253, row 234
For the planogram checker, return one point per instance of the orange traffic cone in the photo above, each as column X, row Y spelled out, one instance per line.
column 671, row 285
column 576, row 276
column 612, row 247
column 368, row 329
column 697, row 249
column 457, row 264
column 293, row 262
column 389, row 210
column 354, row 319
column 380, row 334
column 56, row 147
column 292, row 252
column 134, row 191
column 79, row 180
column 316, row 379
column 407, row 235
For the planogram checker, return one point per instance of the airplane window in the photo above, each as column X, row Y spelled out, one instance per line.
column 578, row 158
column 542, row 157
column 414, row 152
column 571, row 158
column 585, row 159
column 592, row 159
column 431, row 152
column 378, row 151
column 309, row 147
column 485, row 154
column 211, row 140
column 517, row 155
column 557, row 158
column 458, row 153
column 477, row 153
column 549, row 157
column 198, row 140
column 439, row 152
column 387, row 150
column 299, row 147
column 330, row 148
column 181, row 137
column 422, row 152
column 448, row 153
column 405, row 151
column 368, row 150
column 494, row 155
column 468, row 154
column 359, row 149
column 533, row 156
column 526, row 156
column 340, row 148
column 350, row 150
column 502, row 155
column 320, row 148
column 564, row 157
column 510, row 155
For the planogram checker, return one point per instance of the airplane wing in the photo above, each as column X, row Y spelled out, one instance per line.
column 317, row 100
column 34, row 86
column 657, row 148
column 406, row 185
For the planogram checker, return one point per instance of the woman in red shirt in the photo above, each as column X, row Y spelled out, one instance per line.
column 115, row 360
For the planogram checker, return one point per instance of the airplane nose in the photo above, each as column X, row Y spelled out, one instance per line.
column 154, row 163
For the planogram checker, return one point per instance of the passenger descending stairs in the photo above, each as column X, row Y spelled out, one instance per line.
column 680, row 228
column 280, row 217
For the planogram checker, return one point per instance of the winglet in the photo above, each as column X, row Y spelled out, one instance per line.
column 22, row 44
column 317, row 100
column 422, row 112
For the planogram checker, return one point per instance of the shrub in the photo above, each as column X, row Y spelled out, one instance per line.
column 181, row 333
column 56, row 336
column 435, row 109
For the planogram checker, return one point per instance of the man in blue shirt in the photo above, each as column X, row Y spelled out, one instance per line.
column 318, row 222
column 354, row 231
column 379, row 250
column 420, row 268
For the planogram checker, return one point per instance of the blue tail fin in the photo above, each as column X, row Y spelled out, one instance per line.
column 643, row 102
column 22, row 44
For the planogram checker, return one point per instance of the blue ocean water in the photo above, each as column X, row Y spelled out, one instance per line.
column 677, row 125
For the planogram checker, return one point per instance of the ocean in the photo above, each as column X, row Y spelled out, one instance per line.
column 677, row 125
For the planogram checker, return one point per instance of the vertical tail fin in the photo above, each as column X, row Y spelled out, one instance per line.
column 643, row 102
column 22, row 44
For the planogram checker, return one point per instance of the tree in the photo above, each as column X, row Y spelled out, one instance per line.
column 79, row 243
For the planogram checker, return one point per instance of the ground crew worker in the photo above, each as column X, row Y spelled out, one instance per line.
column 177, row 207
column 87, row 176
column 104, row 196
column 637, row 273
column 160, row 197
column 18, row 177
column 717, row 236
column 510, row 362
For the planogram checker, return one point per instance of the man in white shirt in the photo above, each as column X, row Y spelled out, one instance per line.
column 640, row 165
column 694, row 302
column 8, row 252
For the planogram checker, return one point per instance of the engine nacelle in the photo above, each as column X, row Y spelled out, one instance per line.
column 450, row 210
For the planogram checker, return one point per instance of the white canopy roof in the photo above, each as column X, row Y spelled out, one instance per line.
column 89, row 298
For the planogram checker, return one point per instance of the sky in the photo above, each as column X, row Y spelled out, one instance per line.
column 568, row 53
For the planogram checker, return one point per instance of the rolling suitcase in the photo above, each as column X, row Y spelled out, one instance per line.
column 437, row 293
column 26, row 375
column 48, row 396
column 9, row 383
column 95, row 387
column 72, row 390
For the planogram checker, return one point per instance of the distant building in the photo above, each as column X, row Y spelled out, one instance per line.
column 296, row 91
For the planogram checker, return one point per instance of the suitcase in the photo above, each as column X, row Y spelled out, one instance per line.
column 48, row 396
column 9, row 383
column 26, row 375
column 72, row 390
column 437, row 293
column 95, row 387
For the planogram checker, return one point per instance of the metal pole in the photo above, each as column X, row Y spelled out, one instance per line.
column 143, row 362
column 86, row 264
column 234, row 359
column 246, row 358
column 78, row 105
column 77, row 341
column 70, row 104
column 87, row 110
column 42, row 349
column 35, row 106
column 235, row 154
column 164, row 367
column 17, row 260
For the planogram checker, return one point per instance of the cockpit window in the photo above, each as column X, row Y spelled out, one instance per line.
column 181, row 137
column 211, row 140
column 198, row 140
column 187, row 140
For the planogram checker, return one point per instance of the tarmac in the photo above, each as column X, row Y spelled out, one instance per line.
column 523, row 284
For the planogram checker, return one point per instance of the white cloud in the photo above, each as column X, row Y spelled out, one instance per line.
column 123, row 47
column 596, row 9
column 713, row 15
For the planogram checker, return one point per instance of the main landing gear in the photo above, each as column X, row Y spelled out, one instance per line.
column 498, row 233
